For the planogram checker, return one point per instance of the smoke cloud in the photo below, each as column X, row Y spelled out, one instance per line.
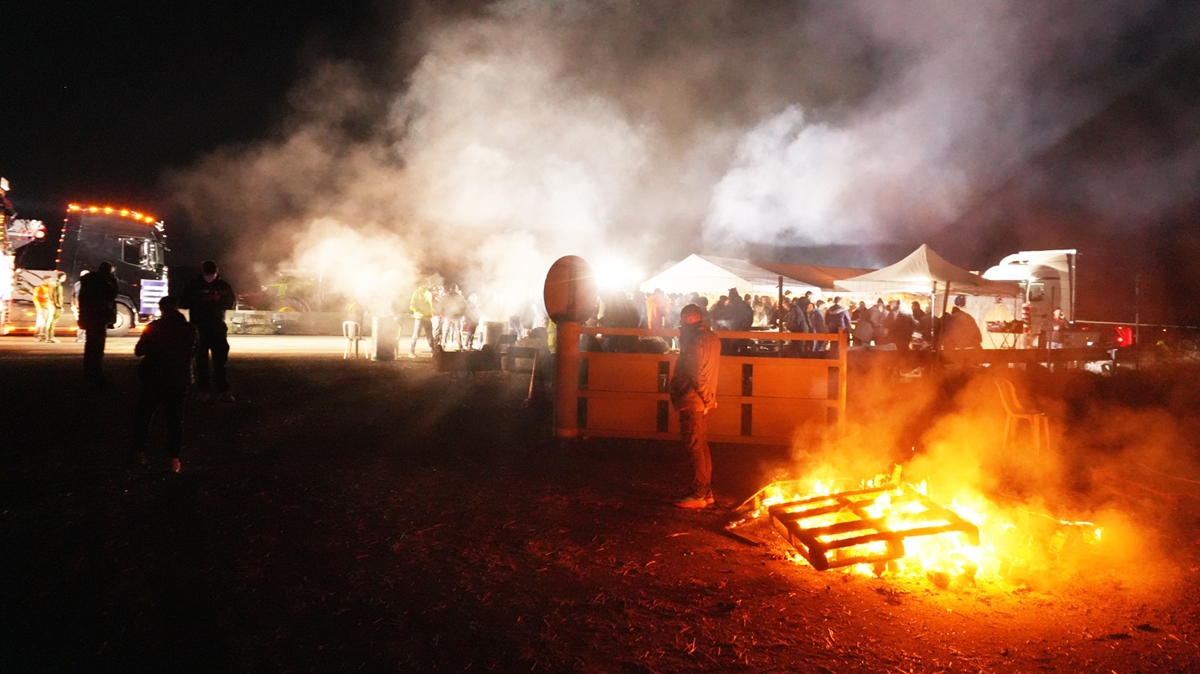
column 973, row 91
column 529, row 130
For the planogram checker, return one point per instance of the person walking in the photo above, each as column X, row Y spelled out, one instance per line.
column 421, row 306
column 97, row 311
column 166, row 349
column 693, row 392
column 207, row 297
column 56, row 305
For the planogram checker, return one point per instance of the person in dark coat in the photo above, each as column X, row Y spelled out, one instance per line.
column 693, row 390
column 97, row 311
column 741, row 319
column 796, row 320
column 902, row 328
column 207, row 297
column 166, row 349
column 816, row 320
column 619, row 312
column 959, row 331
column 837, row 318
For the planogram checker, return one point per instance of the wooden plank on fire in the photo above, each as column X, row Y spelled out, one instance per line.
column 805, row 525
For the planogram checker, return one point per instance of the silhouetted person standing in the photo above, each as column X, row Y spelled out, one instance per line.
column 166, row 349
column 97, row 311
column 206, row 298
column 694, row 393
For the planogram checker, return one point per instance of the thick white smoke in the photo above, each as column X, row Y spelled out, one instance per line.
column 972, row 91
column 529, row 130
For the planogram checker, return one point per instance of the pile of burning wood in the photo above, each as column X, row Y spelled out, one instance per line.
column 886, row 526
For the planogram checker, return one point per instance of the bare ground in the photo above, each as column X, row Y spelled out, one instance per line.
column 359, row 516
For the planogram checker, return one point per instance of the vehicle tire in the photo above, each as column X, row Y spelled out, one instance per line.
column 289, row 304
column 125, row 321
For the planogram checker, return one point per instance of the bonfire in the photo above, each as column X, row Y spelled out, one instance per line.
column 885, row 526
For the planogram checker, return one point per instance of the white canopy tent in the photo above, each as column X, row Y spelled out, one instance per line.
column 926, row 273
column 716, row 275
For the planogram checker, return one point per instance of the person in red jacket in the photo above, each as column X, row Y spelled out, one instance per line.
column 165, row 371
column 693, row 391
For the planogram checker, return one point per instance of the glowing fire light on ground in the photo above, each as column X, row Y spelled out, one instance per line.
column 887, row 527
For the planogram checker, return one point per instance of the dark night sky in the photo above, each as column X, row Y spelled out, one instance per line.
column 102, row 101
column 102, row 98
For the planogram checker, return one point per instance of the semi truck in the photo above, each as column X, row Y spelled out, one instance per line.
column 132, row 241
column 1047, row 280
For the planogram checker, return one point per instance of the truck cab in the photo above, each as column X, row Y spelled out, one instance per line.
column 1047, row 279
column 135, row 244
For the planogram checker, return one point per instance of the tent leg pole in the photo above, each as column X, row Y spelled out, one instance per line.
column 779, row 306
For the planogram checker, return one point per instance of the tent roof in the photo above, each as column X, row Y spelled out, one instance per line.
column 716, row 275
column 821, row 276
column 918, row 273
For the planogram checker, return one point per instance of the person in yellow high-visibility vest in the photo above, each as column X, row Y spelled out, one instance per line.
column 56, row 304
column 421, row 306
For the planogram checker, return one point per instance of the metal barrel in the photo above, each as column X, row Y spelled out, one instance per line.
column 384, row 333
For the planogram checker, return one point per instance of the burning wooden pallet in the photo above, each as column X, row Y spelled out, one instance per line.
column 864, row 525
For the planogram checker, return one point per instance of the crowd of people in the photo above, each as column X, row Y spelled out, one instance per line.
column 443, row 317
column 885, row 325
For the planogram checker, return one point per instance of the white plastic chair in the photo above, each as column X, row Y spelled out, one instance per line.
column 352, row 331
column 1039, row 424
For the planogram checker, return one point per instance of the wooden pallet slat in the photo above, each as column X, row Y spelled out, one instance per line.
column 803, row 525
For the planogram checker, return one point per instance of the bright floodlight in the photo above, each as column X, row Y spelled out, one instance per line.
column 614, row 273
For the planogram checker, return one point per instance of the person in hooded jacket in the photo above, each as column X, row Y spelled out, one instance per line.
column 164, row 373
column 837, row 318
column 693, row 391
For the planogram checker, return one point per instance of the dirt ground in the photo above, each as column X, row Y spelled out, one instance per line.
column 363, row 516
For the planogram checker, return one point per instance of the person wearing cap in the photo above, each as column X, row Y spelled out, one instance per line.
column 693, row 392
column 207, row 297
